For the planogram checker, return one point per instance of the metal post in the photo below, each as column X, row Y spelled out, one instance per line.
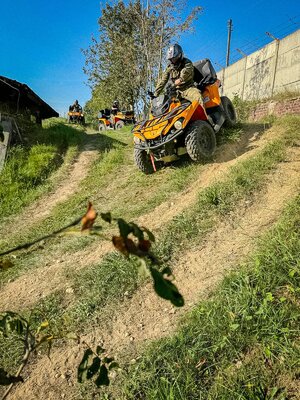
column 242, row 52
column 229, row 25
column 275, row 66
column 275, row 60
column 244, row 79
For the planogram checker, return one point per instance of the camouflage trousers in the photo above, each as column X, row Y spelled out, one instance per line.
column 191, row 94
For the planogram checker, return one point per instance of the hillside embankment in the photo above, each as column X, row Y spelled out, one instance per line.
column 206, row 219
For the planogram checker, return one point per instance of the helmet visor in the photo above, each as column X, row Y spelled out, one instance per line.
column 174, row 60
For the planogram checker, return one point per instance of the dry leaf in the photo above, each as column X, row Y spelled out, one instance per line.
column 89, row 218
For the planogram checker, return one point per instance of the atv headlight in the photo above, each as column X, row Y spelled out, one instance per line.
column 178, row 125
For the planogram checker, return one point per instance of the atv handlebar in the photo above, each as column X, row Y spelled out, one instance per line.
column 151, row 95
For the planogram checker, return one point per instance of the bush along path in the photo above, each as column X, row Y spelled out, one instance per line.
column 216, row 203
column 24, row 331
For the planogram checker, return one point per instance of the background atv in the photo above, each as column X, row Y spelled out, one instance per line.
column 76, row 117
column 178, row 127
column 108, row 121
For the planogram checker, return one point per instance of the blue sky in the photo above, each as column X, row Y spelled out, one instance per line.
column 41, row 41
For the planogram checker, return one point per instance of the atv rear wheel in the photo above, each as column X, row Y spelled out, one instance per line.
column 229, row 111
column 119, row 125
column 143, row 161
column 200, row 141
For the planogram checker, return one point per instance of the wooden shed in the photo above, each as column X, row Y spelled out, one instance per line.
column 19, row 98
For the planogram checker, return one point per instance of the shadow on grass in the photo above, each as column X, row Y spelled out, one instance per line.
column 95, row 141
column 63, row 136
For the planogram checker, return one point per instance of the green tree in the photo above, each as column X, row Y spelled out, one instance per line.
column 128, row 56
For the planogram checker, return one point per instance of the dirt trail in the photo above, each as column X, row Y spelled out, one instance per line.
column 226, row 156
column 69, row 185
column 145, row 317
column 48, row 278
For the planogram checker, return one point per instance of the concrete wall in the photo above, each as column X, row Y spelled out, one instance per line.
column 272, row 69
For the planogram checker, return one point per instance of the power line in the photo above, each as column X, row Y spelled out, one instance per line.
column 278, row 31
column 273, row 29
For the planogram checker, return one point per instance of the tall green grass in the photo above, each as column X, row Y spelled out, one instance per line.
column 243, row 343
column 29, row 165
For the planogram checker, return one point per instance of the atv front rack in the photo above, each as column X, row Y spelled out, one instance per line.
column 150, row 124
column 163, row 140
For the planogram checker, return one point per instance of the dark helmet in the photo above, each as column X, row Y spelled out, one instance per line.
column 76, row 101
column 175, row 54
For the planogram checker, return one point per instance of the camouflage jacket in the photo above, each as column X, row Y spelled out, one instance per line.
column 184, row 72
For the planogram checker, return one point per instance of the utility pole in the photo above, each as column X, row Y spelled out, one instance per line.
column 229, row 25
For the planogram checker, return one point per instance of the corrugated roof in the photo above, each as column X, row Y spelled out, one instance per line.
column 20, row 96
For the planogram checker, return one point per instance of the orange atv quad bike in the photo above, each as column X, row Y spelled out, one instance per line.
column 104, row 120
column 177, row 127
column 76, row 117
column 108, row 121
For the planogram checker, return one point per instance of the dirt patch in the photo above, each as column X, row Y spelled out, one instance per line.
column 49, row 278
column 31, row 287
column 145, row 317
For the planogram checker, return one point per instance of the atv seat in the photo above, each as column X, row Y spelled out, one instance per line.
column 104, row 113
column 204, row 73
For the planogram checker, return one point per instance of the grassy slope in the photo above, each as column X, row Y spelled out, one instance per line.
column 113, row 184
column 241, row 344
column 103, row 284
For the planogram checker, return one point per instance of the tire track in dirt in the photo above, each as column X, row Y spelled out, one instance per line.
column 226, row 156
column 47, row 279
column 146, row 317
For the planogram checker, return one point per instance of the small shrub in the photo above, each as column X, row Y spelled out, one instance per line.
column 243, row 107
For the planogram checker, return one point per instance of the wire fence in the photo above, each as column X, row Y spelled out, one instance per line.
column 279, row 32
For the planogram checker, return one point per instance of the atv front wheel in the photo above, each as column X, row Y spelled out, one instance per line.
column 200, row 141
column 143, row 161
column 101, row 127
column 119, row 125
column 229, row 111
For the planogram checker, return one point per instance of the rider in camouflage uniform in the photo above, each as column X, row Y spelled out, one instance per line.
column 76, row 107
column 181, row 72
